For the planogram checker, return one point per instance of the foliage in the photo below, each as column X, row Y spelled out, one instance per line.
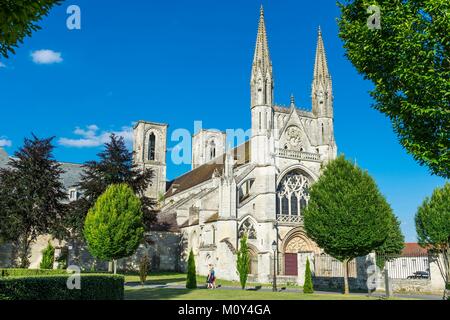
column 347, row 216
column 433, row 227
column 191, row 281
column 93, row 287
column 408, row 61
column 308, row 287
column 114, row 167
column 30, row 272
column 18, row 19
column 144, row 267
column 48, row 257
column 31, row 196
column 113, row 227
column 243, row 262
column 393, row 246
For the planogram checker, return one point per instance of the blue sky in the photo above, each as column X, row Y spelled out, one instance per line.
column 180, row 61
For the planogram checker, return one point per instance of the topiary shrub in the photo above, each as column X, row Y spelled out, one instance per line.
column 308, row 287
column 243, row 262
column 93, row 287
column 191, row 281
column 48, row 257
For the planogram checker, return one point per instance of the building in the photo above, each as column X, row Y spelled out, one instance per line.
column 259, row 188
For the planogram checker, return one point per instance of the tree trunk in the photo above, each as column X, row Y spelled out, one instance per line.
column 115, row 266
column 110, row 266
column 346, row 290
column 24, row 247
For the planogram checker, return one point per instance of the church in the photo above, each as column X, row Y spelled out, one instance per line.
column 258, row 189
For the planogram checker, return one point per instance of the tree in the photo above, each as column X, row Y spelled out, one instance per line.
column 115, row 166
column 408, row 61
column 113, row 227
column 433, row 228
column 18, row 19
column 31, row 196
column 347, row 216
column 243, row 262
column 191, row 281
column 308, row 287
column 393, row 246
column 48, row 257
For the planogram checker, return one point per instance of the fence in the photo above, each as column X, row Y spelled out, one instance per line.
column 412, row 266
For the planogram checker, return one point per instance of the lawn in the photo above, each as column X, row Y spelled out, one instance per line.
column 222, row 294
column 180, row 279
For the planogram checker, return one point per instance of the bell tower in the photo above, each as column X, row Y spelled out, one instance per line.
column 150, row 147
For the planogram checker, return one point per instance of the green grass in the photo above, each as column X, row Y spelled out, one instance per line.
column 180, row 279
column 221, row 294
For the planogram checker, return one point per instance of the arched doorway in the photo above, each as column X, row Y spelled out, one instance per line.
column 294, row 243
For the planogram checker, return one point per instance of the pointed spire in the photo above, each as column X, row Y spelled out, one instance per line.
column 321, row 73
column 262, row 56
column 262, row 77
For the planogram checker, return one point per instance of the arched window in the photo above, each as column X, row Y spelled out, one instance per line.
column 212, row 150
column 293, row 194
column 152, row 147
column 247, row 228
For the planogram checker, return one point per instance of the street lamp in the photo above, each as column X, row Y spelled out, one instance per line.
column 274, row 248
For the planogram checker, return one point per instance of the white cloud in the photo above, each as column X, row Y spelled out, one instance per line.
column 2, row 65
column 92, row 137
column 5, row 142
column 46, row 57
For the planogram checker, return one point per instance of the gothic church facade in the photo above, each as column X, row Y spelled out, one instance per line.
column 259, row 189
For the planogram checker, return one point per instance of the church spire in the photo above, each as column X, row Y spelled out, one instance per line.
column 322, row 89
column 262, row 80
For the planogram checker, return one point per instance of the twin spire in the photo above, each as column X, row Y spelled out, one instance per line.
column 262, row 70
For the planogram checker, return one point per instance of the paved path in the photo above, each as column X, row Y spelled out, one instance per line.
column 137, row 286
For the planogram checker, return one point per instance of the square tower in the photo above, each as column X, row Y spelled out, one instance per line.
column 150, row 147
column 206, row 146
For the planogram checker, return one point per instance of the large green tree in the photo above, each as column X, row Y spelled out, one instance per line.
column 115, row 166
column 18, row 19
column 433, row 228
column 347, row 215
column 31, row 196
column 408, row 61
column 113, row 228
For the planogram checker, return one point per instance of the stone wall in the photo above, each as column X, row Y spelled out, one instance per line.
column 163, row 250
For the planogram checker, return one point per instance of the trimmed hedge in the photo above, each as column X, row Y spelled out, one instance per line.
column 30, row 272
column 93, row 287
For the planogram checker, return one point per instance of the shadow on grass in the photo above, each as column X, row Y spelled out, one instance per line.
column 156, row 294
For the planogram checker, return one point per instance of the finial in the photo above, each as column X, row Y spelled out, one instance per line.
column 292, row 100
column 262, row 10
column 320, row 31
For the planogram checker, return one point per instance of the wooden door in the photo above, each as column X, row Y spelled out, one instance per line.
column 290, row 264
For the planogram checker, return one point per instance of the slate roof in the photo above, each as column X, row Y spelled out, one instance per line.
column 70, row 177
column 204, row 173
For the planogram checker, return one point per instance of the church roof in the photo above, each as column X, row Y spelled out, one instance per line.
column 70, row 177
column 205, row 172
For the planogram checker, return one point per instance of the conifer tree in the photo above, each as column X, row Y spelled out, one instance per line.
column 308, row 287
column 191, row 281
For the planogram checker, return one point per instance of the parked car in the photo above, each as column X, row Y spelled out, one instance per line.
column 420, row 275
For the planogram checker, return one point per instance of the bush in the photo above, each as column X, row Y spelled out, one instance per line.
column 243, row 262
column 308, row 286
column 48, row 257
column 448, row 291
column 93, row 287
column 29, row 272
column 191, row 281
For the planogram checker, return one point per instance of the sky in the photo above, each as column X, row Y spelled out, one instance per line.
column 179, row 61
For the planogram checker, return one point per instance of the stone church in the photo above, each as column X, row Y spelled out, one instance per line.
column 258, row 189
